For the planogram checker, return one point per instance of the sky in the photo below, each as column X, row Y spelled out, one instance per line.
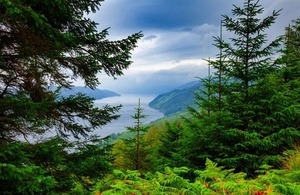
column 178, row 37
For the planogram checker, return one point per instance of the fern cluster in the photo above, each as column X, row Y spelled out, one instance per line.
column 212, row 180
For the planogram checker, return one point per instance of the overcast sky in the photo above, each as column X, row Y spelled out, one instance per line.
column 177, row 37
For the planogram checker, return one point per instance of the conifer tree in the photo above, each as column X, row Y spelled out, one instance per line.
column 253, row 129
column 290, row 59
column 45, row 43
column 171, row 152
column 138, row 129
column 132, row 151
column 248, row 54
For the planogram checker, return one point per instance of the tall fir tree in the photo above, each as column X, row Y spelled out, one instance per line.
column 253, row 129
column 248, row 54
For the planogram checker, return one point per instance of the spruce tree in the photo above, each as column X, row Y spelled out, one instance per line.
column 252, row 129
column 248, row 54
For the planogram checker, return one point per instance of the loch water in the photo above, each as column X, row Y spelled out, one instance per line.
column 129, row 104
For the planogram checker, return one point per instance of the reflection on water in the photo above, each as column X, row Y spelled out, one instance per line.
column 129, row 103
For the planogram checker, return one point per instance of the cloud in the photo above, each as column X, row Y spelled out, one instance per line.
column 156, row 81
column 159, row 14
column 177, row 44
column 177, row 36
column 151, row 37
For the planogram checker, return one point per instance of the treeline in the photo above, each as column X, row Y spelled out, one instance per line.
column 241, row 138
column 246, row 120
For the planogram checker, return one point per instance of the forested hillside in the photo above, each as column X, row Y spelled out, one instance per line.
column 177, row 100
column 93, row 93
column 240, row 137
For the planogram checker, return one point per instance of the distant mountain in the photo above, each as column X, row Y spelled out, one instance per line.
column 93, row 93
column 189, row 85
column 177, row 100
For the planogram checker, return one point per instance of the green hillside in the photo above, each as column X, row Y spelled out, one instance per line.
column 93, row 93
column 177, row 100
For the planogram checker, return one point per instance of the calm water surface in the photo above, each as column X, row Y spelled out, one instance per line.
column 129, row 103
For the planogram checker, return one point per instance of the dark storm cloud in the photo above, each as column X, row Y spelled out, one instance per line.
column 162, row 14
column 134, row 16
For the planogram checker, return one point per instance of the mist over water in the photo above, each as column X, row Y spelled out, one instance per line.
column 129, row 103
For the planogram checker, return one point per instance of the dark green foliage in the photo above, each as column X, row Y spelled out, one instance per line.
column 248, row 54
column 139, row 154
column 51, row 155
column 247, row 116
column 53, row 43
column 28, row 179
column 89, row 160
column 171, row 152
column 19, row 175
column 86, row 165
column 47, row 43
column 69, row 110
column 49, row 167
column 290, row 58
column 245, row 119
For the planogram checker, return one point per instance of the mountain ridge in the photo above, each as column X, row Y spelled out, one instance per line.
column 93, row 93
